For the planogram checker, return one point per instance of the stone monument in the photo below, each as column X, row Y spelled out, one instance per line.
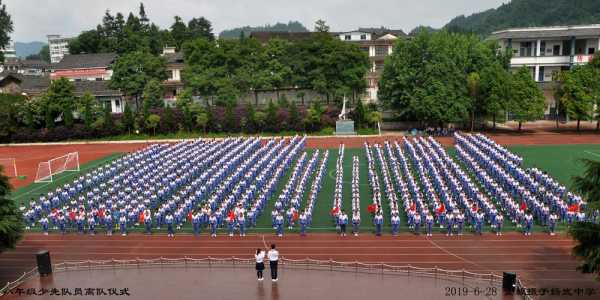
column 344, row 126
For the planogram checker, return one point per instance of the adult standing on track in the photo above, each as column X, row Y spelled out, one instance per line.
column 273, row 261
column 260, row 265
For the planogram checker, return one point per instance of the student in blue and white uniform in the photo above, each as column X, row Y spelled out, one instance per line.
column 343, row 221
column 212, row 220
column 148, row 221
column 303, row 223
column 499, row 224
column 196, row 223
column 241, row 220
column 123, row 225
column 528, row 223
column 417, row 221
column 44, row 223
column 169, row 221
column 108, row 222
column 378, row 220
column 279, row 223
column 552, row 223
column 355, row 222
column 429, row 221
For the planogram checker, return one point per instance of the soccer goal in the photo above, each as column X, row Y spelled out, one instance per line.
column 10, row 166
column 48, row 169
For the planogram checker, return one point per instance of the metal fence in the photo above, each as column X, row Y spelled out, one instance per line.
column 235, row 262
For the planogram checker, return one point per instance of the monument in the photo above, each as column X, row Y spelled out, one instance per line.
column 343, row 126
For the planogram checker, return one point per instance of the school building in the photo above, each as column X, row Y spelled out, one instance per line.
column 548, row 50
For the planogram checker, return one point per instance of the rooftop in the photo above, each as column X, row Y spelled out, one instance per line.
column 548, row 32
column 83, row 61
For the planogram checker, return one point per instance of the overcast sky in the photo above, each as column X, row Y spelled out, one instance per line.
column 34, row 19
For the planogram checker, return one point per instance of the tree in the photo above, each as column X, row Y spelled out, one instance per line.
column 128, row 118
column 495, row 90
column 576, row 90
column 133, row 71
column 168, row 120
column 360, row 115
column 11, row 220
column 44, row 53
column 152, row 122
column 271, row 117
column 527, row 100
column 200, row 28
column 179, row 32
column 295, row 120
column 229, row 118
column 108, row 120
column 424, row 79
column 251, row 123
column 59, row 100
column 6, row 28
column 153, row 94
column 321, row 26
column 587, row 234
column 473, row 80
column 202, row 120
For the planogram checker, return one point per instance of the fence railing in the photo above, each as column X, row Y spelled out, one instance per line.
column 235, row 262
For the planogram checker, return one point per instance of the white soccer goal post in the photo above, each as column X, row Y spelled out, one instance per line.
column 10, row 166
column 48, row 169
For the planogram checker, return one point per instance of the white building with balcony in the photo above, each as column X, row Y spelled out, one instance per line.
column 547, row 50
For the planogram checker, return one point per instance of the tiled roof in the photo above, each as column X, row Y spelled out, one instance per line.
column 82, row 61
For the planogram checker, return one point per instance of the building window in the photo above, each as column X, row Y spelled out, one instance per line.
column 556, row 50
column 591, row 51
column 378, row 66
column 526, row 49
column 347, row 37
column 381, row 50
column 543, row 48
column 363, row 36
column 541, row 75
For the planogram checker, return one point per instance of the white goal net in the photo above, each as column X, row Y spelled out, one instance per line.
column 48, row 169
column 9, row 165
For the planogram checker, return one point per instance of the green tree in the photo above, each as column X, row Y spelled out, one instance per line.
column 153, row 94
column 202, row 120
column 44, row 53
column 271, row 117
column 6, row 28
column 188, row 118
column 200, row 28
column 169, row 122
column 179, row 32
column 473, row 81
column 321, row 26
column 295, row 119
column 133, row 71
column 495, row 90
column 527, row 100
column 152, row 122
column 59, row 99
column 577, row 88
column 108, row 120
column 11, row 221
column 425, row 77
column 128, row 119
column 360, row 115
column 251, row 123
column 587, row 234
column 86, row 107
column 229, row 118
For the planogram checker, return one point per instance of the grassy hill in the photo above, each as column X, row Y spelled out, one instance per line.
column 525, row 13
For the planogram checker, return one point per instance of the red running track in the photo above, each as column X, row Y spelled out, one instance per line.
column 540, row 260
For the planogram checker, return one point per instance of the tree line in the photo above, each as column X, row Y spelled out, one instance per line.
column 441, row 78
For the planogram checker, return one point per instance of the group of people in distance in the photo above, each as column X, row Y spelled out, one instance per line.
column 225, row 185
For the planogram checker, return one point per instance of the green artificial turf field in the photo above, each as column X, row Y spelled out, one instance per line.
column 560, row 161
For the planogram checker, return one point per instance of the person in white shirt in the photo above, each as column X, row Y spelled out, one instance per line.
column 273, row 259
column 260, row 265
